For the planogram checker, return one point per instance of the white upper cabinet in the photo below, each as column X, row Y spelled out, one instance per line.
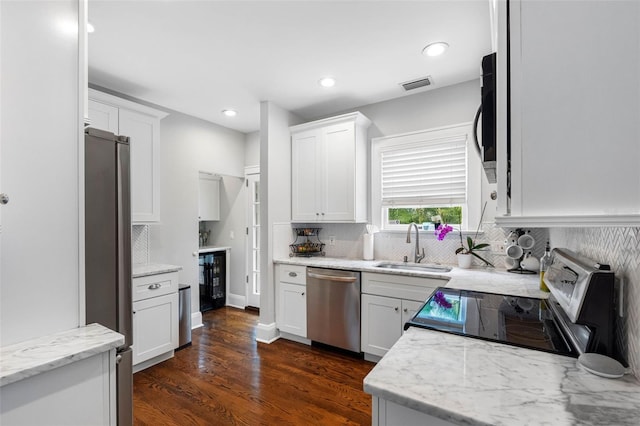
column 575, row 114
column 328, row 170
column 142, row 125
column 208, row 197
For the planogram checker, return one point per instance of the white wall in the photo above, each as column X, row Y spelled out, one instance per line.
column 252, row 149
column 189, row 145
column 40, row 272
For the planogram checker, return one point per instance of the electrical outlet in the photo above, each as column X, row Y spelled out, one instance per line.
column 332, row 240
column 497, row 247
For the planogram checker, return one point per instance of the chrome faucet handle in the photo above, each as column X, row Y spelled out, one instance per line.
column 419, row 257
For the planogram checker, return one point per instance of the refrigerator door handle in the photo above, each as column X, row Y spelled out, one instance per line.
column 125, row 296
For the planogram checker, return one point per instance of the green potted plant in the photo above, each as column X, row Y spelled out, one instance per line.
column 463, row 252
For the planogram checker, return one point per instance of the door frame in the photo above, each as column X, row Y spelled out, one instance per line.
column 250, row 173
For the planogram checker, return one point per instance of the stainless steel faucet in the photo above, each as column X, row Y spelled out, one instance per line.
column 418, row 257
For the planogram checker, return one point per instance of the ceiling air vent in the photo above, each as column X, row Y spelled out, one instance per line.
column 416, row 84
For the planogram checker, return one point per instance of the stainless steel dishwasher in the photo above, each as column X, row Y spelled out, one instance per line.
column 333, row 307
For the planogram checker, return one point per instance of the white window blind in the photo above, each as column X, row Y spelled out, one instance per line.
column 426, row 173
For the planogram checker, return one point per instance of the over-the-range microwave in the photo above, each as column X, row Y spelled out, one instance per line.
column 486, row 116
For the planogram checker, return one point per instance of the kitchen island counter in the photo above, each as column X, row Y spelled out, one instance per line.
column 469, row 381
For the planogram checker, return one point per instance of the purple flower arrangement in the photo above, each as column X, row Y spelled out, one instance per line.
column 442, row 231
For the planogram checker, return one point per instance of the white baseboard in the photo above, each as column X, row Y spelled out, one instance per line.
column 196, row 320
column 372, row 358
column 267, row 333
column 236, row 301
column 153, row 361
column 295, row 338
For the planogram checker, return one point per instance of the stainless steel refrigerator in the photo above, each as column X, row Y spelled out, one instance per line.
column 108, row 250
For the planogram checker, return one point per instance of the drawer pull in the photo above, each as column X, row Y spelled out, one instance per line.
column 293, row 274
column 155, row 286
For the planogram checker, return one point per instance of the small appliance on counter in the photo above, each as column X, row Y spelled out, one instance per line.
column 578, row 317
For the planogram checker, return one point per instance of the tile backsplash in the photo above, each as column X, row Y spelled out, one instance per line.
column 140, row 244
column 620, row 248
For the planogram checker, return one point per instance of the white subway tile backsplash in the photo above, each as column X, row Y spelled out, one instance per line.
column 140, row 244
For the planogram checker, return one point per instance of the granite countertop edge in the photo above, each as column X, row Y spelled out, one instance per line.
column 22, row 360
column 142, row 270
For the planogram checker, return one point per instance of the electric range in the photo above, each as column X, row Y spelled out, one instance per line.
column 578, row 316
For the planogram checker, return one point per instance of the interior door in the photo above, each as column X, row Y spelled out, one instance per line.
column 253, row 241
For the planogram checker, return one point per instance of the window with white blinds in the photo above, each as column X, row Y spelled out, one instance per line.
column 429, row 172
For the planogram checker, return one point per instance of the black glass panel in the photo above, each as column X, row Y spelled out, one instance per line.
column 519, row 321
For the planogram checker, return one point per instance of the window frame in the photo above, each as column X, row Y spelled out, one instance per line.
column 470, row 210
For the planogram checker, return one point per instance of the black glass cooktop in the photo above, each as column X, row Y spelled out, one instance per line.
column 518, row 321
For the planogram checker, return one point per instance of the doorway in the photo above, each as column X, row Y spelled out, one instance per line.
column 253, row 237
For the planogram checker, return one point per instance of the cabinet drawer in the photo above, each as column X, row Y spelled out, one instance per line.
column 154, row 285
column 400, row 286
column 294, row 274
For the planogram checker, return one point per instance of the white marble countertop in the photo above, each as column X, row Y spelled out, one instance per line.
column 211, row 249
column 476, row 382
column 477, row 278
column 142, row 270
column 22, row 360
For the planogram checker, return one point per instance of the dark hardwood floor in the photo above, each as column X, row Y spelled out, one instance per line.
column 226, row 377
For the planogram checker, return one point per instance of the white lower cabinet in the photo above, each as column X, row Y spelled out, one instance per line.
column 388, row 302
column 155, row 327
column 80, row 393
column 293, row 304
column 388, row 413
column 155, row 318
column 383, row 320
column 291, row 312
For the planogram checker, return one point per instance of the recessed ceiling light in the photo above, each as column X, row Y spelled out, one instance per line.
column 435, row 49
column 229, row 112
column 90, row 27
column 327, row 82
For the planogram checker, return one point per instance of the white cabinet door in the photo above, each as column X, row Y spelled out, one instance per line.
column 208, row 197
column 293, row 309
column 305, row 175
column 574, row 146
column 103, row 116
column 328, row 163
column 155, row 327
column 409, row 309
column 144, row 131
column 337, row 196
column 381, row 328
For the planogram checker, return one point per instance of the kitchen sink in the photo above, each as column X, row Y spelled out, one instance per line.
column 414, row 267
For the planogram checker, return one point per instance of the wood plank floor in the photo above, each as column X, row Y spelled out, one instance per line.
column 227, row 378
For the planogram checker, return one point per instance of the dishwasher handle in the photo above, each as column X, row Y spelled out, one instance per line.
column 332, row 278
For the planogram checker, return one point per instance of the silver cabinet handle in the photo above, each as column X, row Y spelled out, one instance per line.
column 293, row 274
column 405, row 310
column 118, row 358
column 155, row 286
column 331, row 278
column 4, row 199
column 396, row 309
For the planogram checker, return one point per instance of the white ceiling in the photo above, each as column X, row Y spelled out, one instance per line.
column 200, row 57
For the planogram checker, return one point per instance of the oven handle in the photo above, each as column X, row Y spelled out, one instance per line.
column 332, row 278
